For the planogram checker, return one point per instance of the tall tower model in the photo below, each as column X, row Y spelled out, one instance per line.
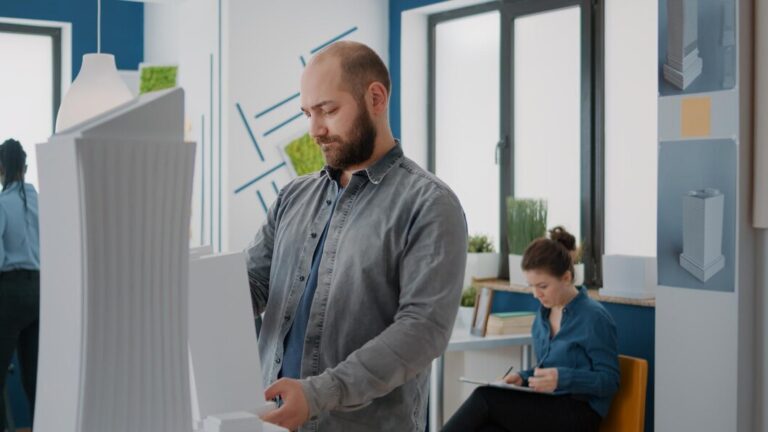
column 115, row 196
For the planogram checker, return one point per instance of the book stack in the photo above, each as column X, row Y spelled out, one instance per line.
column 505, row 323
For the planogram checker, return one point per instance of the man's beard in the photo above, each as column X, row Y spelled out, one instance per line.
column 344, row 153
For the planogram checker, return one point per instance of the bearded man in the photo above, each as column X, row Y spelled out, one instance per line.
column 358, row 268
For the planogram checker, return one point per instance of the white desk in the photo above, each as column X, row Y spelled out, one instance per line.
column 461, row 340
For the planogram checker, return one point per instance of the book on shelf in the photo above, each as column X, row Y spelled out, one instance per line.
column 503, row 323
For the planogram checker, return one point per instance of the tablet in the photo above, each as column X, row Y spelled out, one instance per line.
column 502, row 384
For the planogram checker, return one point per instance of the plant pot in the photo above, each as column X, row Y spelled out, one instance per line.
column 578, row 274
column 464, row 317
column 481, row 266
column 516, row 275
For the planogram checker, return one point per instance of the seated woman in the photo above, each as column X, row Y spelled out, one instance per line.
column 574, row 339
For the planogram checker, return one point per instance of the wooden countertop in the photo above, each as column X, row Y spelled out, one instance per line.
column 504, row 285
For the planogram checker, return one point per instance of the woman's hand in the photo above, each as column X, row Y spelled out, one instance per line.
column 514, row 378
column 543, row 380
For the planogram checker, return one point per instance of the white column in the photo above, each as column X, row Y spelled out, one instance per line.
column 683, row 64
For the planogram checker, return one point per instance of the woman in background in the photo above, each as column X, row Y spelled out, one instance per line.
column 574, row 338
column 19, row 270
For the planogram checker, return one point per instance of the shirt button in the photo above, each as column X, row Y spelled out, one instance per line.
column 313, row 235
column 287, row 317
column 328, row 202
column 301, row 278
column 277, row 360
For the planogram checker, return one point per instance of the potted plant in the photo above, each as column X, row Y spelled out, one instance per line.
column 466, row 307
column 526, row 221
column 482, row 259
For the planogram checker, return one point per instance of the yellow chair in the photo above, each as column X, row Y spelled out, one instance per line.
column 627, row 413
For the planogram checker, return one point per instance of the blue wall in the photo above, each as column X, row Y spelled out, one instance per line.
column 122, row 26
column 122, row 34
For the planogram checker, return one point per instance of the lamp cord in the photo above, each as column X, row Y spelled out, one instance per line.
column 98, row 26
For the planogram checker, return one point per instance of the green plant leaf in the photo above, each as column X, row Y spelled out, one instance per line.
column 468, row 297
column 526, row 221
column 479, row 243
column 305, row 155
column 155, row 78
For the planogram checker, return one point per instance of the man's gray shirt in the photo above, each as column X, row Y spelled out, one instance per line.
column 388, row 290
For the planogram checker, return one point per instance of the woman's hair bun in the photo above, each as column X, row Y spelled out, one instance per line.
column 560, row 235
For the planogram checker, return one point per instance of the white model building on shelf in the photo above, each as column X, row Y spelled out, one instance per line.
column 683, row 63
column 703, row 233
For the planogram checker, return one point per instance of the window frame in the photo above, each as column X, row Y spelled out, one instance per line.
column 592, row 115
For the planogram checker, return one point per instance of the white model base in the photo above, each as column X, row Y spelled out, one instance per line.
column 238, row 422
column 702, row 273
column 683, row 78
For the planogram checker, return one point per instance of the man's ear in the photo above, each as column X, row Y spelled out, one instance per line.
column 379, row 97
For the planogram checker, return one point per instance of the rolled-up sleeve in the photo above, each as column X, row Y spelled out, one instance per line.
column 431, row 273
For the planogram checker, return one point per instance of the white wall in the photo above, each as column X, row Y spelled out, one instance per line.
column 265, row 68
column 261, row 46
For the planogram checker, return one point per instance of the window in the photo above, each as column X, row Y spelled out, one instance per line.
column 467, row 94
column 631, row 127
column 30, row 85
column 514, row 112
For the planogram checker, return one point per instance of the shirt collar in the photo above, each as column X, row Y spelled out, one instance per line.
column 375, row 172
column 12, row 186
column 575, row 302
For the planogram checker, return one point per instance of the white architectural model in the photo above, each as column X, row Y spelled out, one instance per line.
column 114, row 233
column 227, row 391
column 683, row 64
column 703, row 233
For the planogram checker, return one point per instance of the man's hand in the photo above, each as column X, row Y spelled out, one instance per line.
column 543, row 380
column 295, row 411
column 513, row 378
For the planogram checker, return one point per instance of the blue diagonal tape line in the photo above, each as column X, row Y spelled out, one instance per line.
column 334, row 39
column 261, row 176
column 267, row 133
column 279, row 104
column 263, row 204
column 250, row 132
column 274, row 187
column 303, row 62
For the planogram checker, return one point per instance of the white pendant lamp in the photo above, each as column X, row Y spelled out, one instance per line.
column 97, row 88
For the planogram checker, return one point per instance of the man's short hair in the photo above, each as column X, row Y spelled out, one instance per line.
column 360, row 66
